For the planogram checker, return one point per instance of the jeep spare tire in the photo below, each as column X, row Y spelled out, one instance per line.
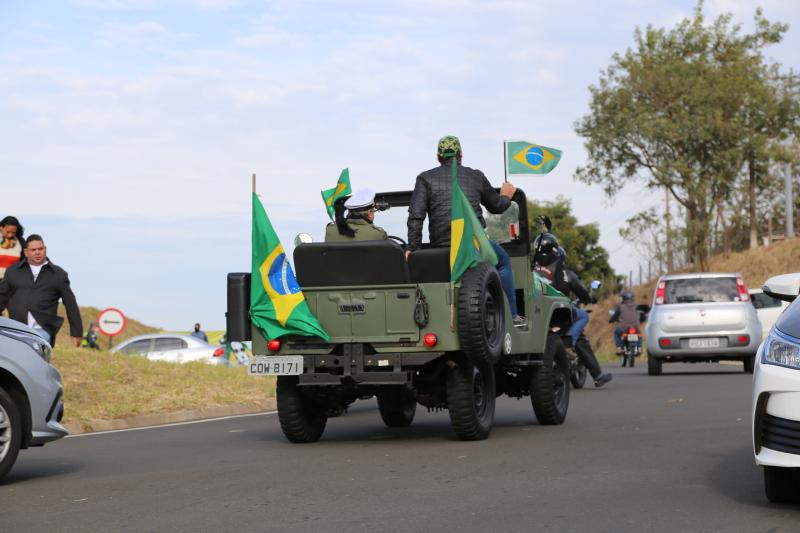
column 481, row 314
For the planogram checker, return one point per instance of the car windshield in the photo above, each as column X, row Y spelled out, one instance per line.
column 701, row 290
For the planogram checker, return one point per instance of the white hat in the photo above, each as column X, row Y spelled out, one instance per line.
column 361, row 200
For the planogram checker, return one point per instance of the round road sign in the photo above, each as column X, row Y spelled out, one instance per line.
column 111, row 322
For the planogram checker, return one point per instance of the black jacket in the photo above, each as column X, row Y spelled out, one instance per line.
column 20, row 294
column 577, row 288
column 432, row 197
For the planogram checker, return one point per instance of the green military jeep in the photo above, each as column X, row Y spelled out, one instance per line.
column 400, row 333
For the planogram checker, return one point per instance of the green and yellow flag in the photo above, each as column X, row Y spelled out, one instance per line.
column 277, row 305
column 523, row 157
column 342, row 188
column 469, row 244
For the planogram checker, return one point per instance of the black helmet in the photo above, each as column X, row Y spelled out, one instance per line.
column 627, row 296
column 545, row 243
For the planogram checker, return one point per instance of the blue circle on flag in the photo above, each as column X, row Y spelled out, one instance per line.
column 281, row 277
column 534, row 156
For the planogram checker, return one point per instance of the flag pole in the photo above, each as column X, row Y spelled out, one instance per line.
column 254, row 182
column 505, row 163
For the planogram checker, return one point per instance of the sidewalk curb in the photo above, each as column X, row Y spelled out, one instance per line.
column 91, row 425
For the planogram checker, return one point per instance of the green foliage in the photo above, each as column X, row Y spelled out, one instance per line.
column 685, row 109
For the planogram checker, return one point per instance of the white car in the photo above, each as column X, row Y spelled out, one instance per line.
column 172, row 348
column 776, row 396
column 768, row 309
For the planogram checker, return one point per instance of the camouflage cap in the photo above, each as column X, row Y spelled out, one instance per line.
column 449, row 145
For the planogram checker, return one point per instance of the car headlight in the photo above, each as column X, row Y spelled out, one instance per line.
column 35, row 342
column 779, row 350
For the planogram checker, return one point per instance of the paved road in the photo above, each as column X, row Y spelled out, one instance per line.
column 658, row 454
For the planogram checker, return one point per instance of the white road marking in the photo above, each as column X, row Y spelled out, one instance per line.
column 189, row 422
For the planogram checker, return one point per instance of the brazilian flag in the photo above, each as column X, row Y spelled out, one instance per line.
column 469, row 244
column 277, row 305
column 329, row 196
column 523, row 157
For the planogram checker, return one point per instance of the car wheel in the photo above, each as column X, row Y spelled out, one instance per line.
column 481, row 314
column 471, row 398
column 550, row 384
column 578, row 377
column 654, row 366
column 397, row 407
column 301, row 419
column 10, row 432
column 782, row 485
column 749, row 364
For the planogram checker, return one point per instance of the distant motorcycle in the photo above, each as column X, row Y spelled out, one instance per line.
column 631, row 346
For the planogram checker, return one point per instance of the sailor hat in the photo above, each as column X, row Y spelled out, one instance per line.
column 361, row 200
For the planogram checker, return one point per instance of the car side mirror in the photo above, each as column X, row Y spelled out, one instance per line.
column 785, row 287
column 303, row 238
column 595, row 284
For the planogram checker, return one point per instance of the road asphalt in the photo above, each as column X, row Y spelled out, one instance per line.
column 669, row 453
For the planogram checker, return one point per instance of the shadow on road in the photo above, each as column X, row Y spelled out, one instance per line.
column 28, row 470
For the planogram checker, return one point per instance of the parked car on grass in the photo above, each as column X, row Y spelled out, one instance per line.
column 768, row 309
column 172, row 348
column 704, row 317
column 31, row 398
column 776, row 397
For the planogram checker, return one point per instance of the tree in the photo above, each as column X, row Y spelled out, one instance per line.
column 670, row 112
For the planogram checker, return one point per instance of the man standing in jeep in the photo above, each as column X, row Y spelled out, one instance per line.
column 432, row 197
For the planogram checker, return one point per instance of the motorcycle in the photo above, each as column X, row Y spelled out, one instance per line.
column 577, row 370
column 631, row 346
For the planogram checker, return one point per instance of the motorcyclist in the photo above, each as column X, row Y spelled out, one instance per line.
column 628, row 317
column 549, row 264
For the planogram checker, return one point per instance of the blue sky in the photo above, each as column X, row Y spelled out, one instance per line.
column 131, row 127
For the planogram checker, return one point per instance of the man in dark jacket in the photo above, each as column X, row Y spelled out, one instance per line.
column 432, row 197
column 31, row 289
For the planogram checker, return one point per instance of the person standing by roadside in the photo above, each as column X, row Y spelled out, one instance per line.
column 11, row 232
column 31, row 290
column 90, row 339
column 199, row 334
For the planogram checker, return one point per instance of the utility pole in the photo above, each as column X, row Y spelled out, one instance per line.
column 640, row 273
column 667, row 218
column 789, row 201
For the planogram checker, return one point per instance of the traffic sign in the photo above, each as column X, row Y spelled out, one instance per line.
column 111, row 322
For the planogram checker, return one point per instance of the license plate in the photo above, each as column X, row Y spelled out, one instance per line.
column 703, row 343
column 633, row 338
column 278, row 365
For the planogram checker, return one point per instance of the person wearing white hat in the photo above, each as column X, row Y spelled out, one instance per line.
column 357, row 225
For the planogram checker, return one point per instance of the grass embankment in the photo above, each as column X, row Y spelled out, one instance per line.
column 756, row 266
column 102, row 385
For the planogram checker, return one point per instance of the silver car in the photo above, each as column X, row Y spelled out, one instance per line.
column 31, row 397
column 701, row 318
column 172, row 348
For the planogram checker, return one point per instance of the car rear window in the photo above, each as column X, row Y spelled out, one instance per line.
column 700, row 290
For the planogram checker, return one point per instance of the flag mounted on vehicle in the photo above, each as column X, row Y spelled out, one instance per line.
column 469, row 244
column 523, row 157
column 277, row 305
column 329, row 196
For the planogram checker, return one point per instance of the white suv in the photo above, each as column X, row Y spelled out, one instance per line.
column 31, row 398
column 776, row 397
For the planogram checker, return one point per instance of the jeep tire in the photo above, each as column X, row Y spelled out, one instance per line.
column 301, row 419
column 10, row 432
column 481, row 314
column 471, row 394
column 397, row 407
column 549, row 384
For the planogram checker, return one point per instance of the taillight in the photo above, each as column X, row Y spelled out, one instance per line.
column 219, row 352
column 274, row 345
column 429, row 340
column 664, row 342
column 662, row 285
column 744, row 339
column 744, row 296
column 632, row 331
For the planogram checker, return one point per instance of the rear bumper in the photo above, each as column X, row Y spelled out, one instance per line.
column 355, row 367
column 679, row 347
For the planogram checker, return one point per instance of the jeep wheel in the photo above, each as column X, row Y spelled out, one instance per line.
column 301, row 420
column 578, row 377
column 10, row 432
column 550, row 384
column 397, row 407
column 782, row 484
column 471, row 398
column 481, row 314
column 749, row 364
column 653, row 366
